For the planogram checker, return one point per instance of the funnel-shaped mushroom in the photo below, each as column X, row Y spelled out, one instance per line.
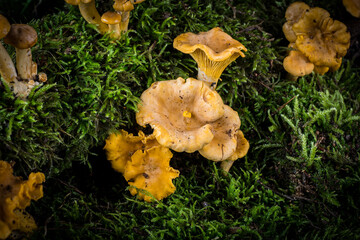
column 15, row 196
column 149, row 170
column 213, row 51
column 121, row 146
column 180, row 112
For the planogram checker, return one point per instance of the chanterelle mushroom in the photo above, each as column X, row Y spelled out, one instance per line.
column 180, row 112
column 149, row 170
column 297, row 65
column 320, row 39
column 122, row 145
column 15, row 195
column 213, row 51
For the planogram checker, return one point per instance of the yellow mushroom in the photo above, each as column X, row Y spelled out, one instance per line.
column 180, row 112
column 15, row 195
column 121, row 146
column 293, row 13
column 113, row 20
column 213, row 51
column 297, row 65
column 149, row 170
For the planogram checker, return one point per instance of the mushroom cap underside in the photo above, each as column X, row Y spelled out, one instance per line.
column 216, row 44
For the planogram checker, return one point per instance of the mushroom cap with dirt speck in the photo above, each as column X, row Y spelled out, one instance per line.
column 321, row 39
column 180, row 112
column 242, row 146
column 223, row 145
column 21, row 36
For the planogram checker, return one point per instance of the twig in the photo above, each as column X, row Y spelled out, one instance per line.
column 282, row 106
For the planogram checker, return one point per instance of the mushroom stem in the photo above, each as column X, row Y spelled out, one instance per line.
column 125, row 17
column 208, row 80
column 115, row 31
column 226, row 165
column 291, row 77
column 24, row 63
column 7, row 68
column 91, row 15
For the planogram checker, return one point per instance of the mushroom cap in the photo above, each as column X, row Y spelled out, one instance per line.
column 242, row 146
column 73, row 2
column 21, row 36
column 213, row 51
column 297, row 64
column 180, row 112
column 4, row 26
column 322, row 40
column 121, row 146
column 223, row 145
column 149, row 170
column 295, row 11
column 111, row 18
column 216, row 44
column 123, row 6
column 353, row 7
column 15, row 195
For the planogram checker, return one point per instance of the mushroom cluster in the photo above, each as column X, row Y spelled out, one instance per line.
column 23, row 37
column 15, row 195
column 186, row 116
column 317, row 41
column 112, row 22
column 144, row 163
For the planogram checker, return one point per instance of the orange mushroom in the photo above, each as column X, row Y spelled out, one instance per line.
column 293, row 13
column 180, row 112
column 121, row 146
column 297, row 65
column 213, row 51
column 149, row 170
column 15, row 195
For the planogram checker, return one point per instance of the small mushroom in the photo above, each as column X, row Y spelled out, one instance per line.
column 353, row 7
column 90, row 13
column 149, row 170
column 124, row 7
column 23, row 37
column 15, row 195
column 213, row 51
column 180, row 112
column 113, row 19
column 7, row 68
